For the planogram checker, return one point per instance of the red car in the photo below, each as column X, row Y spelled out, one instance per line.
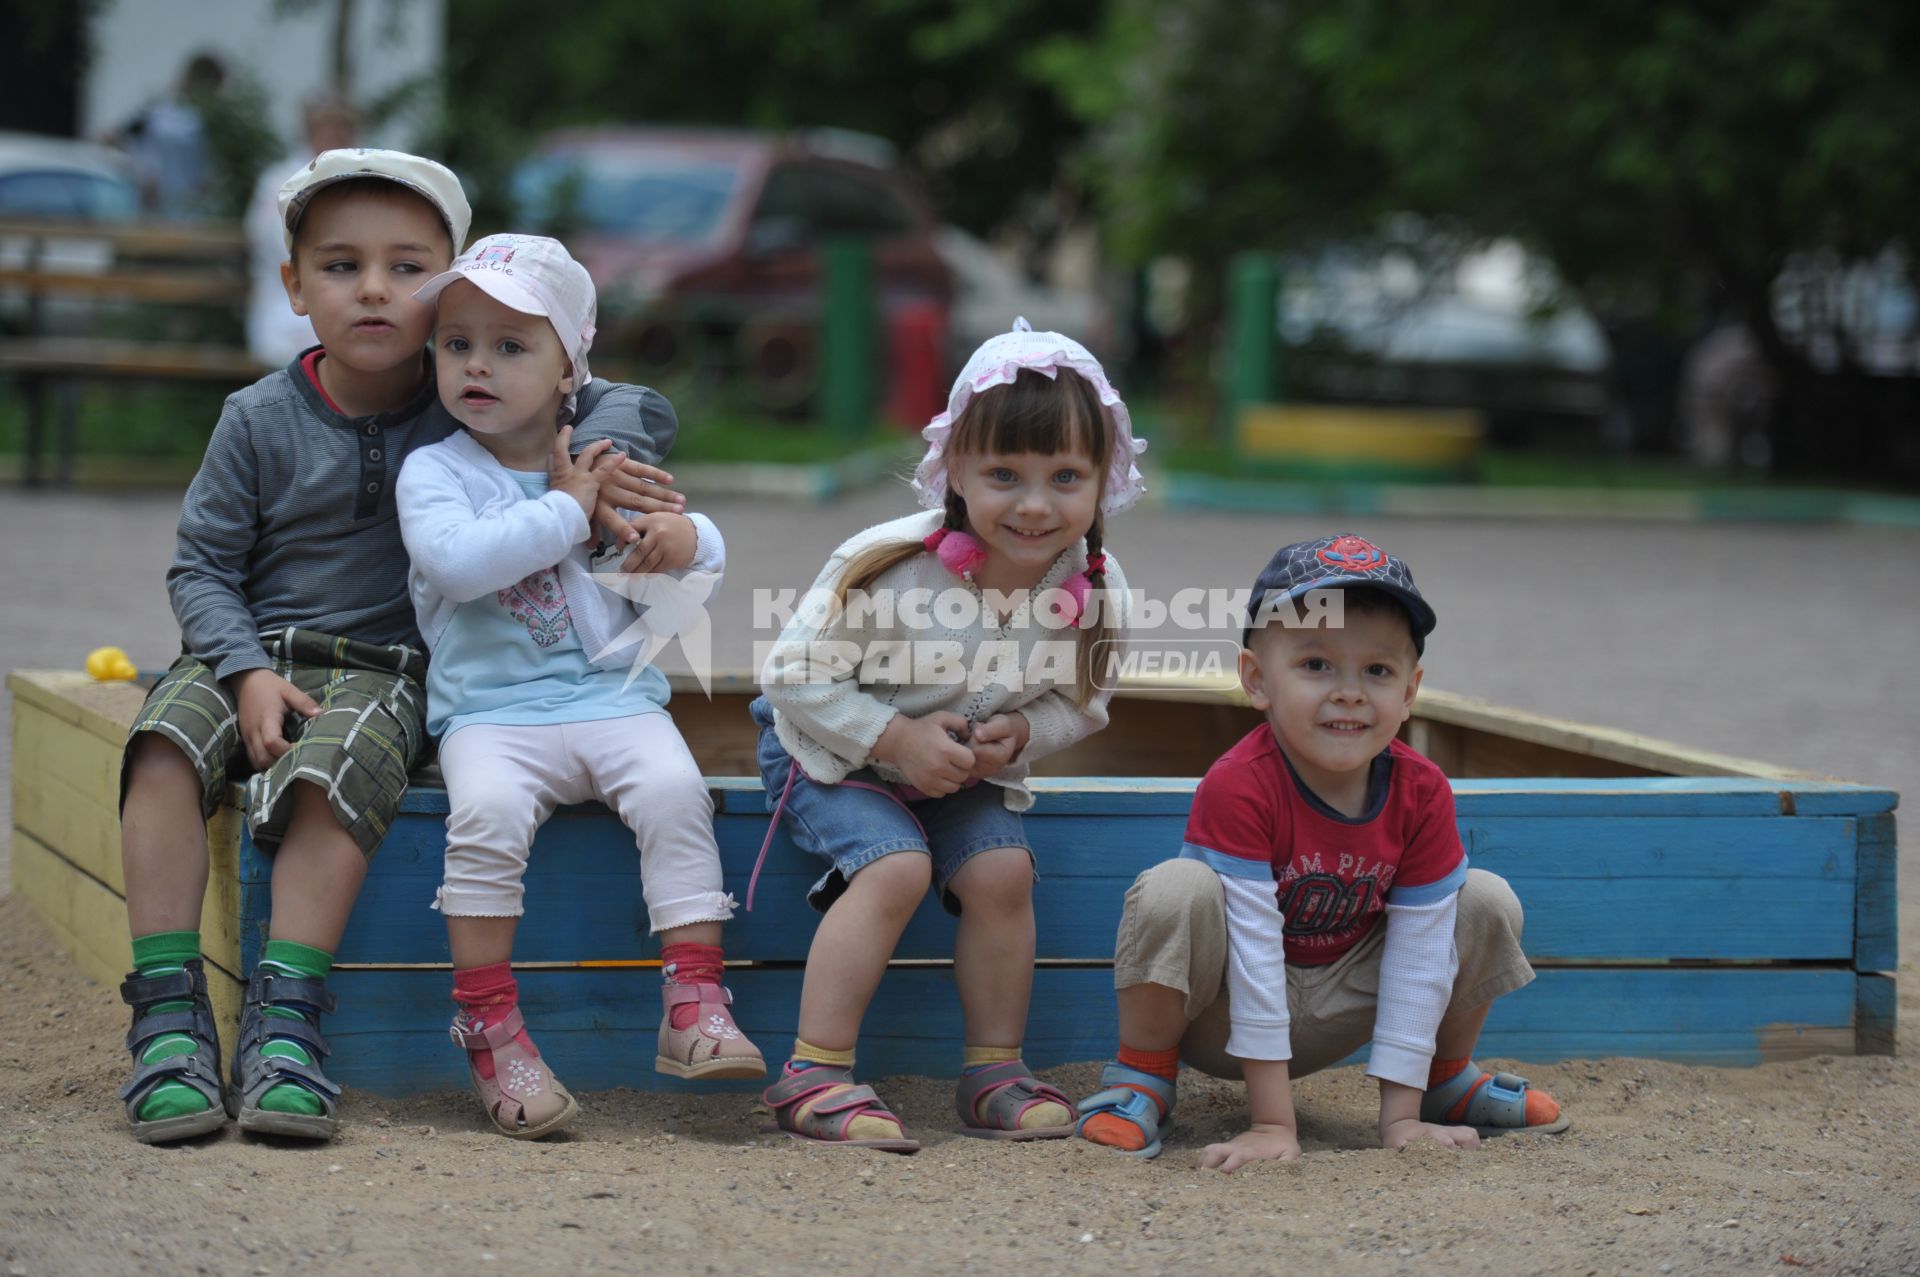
column 705, row 244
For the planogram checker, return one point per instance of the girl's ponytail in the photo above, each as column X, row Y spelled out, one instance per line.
column 1087, row 681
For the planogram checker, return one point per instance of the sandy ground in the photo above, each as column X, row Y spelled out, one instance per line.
column 1788, row 644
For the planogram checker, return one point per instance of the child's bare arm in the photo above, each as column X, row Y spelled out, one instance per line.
column 1272, row 1136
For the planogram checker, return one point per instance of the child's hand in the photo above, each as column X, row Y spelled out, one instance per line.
column 997, row 742
column 579, row 476
column 1261, row 1144
column 265, row 701
column 633, row 485
column 1405, row 1131
column 927, row 752
column 668, row 543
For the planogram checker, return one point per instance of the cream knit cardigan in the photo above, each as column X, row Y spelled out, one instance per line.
column 829, row 721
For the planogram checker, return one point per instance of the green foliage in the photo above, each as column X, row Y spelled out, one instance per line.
column 240, row 143
column 950, row 85
column 1646, row 149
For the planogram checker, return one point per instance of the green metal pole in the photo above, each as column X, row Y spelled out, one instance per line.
column 847, row 397
column 1253, row 294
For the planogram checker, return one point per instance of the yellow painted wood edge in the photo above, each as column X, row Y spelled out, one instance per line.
column 69, row 820
column 88, row 917
column 1378, row 444
column 89, row 923
column 53, row 747
column 1597, row 742
column 105, row 709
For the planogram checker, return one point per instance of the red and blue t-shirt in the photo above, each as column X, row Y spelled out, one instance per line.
column 1332, row 874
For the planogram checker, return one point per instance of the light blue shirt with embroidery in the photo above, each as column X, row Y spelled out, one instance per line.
column 512, row 658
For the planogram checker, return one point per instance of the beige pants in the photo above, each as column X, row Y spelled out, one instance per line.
column 1173, row 932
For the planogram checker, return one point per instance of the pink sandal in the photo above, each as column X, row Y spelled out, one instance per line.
column 712, row 1045
column 1002, row 1094
column 523, row 1097
column 827, row 1121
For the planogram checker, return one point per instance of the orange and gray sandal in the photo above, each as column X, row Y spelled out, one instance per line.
column 1496, row 1104
column 712, row 1045
column 523, row 1097
column 1132, row 1095
column 829, row 1116
column 991, row 1101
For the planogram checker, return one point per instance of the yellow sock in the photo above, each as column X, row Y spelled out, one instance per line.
column 1045, row 1113
column 806, row 1054
column 973, row 1055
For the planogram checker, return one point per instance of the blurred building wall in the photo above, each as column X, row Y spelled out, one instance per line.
column 139, row 47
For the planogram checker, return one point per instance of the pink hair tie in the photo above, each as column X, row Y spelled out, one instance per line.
column 958, row 551
column 1078, row 587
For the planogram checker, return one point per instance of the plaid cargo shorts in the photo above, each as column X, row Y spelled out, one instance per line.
column 370, row 732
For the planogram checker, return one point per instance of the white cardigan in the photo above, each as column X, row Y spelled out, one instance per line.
column 829, row 721
column 470, row 529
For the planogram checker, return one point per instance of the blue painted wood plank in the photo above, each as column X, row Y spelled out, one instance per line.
column 1667, row 795
column 598, row 1026
column 1635, row 887
column 1652, row 795
column 1605, row 848
column 1876, row 1012
column 1844, row 800
column 1877, row 902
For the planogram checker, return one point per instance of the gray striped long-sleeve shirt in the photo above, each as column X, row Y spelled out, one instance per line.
column 290, row 520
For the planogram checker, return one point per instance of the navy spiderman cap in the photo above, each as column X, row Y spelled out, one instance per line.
column 1333, row 562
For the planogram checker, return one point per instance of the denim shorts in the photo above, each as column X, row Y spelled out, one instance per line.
column 850, row 827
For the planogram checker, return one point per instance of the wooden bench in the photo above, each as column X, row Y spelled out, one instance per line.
column 150, row 266
column 1680, row 905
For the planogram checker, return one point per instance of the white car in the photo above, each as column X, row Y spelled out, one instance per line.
column 59, row 180
column 988, row 293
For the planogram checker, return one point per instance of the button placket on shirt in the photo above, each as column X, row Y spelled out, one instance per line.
column 372, row 472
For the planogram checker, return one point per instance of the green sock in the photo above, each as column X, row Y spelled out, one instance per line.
column 165, row 953
column 288, row 958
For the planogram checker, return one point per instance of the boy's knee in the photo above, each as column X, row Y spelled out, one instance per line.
column 1173, row 892
column 157, row 771
column 1488, row 903
column 153, row 756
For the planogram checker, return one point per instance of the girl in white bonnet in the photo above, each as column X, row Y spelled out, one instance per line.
column 896, row 740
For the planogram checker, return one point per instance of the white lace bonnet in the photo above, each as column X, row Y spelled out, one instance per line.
column 997, row 362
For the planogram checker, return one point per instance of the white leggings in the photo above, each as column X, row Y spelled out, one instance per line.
column 503, row 783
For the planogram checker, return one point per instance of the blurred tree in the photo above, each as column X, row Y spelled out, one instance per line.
column 955, row 86
column 1672, row 160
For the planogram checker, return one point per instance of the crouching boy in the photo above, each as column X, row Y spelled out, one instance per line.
column 1322, row 898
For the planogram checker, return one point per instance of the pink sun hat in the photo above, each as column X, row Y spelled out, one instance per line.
column 998, row 361
column 534, row 275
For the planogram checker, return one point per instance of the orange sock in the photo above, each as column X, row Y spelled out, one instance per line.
column 1164, row 1064
column 1541, row 1107
column 1117, row 1132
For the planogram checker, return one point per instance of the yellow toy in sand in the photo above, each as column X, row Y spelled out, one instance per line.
column 110, row 665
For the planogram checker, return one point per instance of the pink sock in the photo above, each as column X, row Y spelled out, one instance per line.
column 691, row 964
column 486, row 994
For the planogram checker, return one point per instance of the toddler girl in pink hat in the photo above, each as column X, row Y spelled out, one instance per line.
column 540, row 686
column 936, row 658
